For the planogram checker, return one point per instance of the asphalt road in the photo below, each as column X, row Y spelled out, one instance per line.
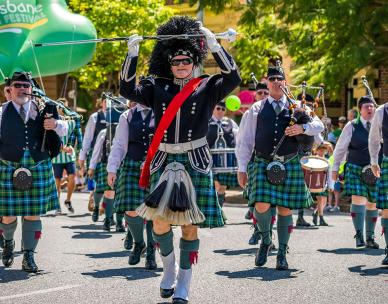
column 82, row 264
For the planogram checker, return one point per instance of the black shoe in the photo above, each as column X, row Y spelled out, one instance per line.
column 1, row 241
column 359, row 239
column 120, row 227
column 315, row 218
column 69, row 206
column 107, row 224
column 95, row 214
column 301, row 222
column 136, row 253
column 322, row 221
column 179, row 301
column 385, row 261
column 128, row 241
column 254, row 240
column 150, row 262
column 262, row 254
column 281, row 261
column 28, row 263
column 370, row 243
column 272, row 247
column 166, row 293
column 8, row 255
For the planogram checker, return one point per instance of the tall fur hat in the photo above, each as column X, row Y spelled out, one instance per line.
column 164, row 50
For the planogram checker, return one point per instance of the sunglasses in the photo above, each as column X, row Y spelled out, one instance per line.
column 184, row 61
column 21, row 85
column 220, row 109
column 262, row 93
column 272, row 79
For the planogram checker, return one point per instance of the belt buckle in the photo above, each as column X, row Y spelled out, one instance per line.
column 177, row 148
column 278, row 158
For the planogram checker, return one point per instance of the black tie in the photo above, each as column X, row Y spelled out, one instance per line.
column 22, row 114
column 278, row 108
column 368, row 126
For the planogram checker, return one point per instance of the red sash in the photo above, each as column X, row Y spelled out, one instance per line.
column 164, row 123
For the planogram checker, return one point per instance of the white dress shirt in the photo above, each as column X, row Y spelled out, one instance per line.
column 30, row 109
column 88, row 136
column 342, row 146
column 234, row 124
column 97, row 150
column 247, row 132
column 120, row 141
column 375, row 135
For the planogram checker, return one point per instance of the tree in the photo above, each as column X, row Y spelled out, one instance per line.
column 329, row 41
column 112, row 19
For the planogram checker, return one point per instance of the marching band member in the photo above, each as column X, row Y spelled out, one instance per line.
column 22, row 129
column 353, row 145
column 129, row 149
column 188, row 200
column 229, row 130
column 377, row 134
column 96, row 122
column 267, row 121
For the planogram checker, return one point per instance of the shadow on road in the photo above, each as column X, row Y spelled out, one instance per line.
column 91, row 235
column 107, row 255
column 266, row 274
column 369, row 272
column 11, row 275
column 83, row 227
column 130, row 274
column 227, row 252
column 374, row 252
column 79, row 215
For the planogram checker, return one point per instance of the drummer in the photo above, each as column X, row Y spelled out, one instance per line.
column 217, row 123
column 353, row 142
column 267, row 121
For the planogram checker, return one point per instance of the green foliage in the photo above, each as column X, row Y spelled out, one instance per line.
column 329, row 41
column 119, row 18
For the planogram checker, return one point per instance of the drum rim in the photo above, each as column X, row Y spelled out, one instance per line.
column 315, row 169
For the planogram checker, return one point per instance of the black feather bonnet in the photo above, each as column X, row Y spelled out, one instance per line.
column 164, row 50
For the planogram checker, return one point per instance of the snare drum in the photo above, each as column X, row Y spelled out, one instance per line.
column 315, row 171
column 224, row 160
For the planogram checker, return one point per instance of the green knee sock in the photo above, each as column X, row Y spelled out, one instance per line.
column 165, row 242
column 284, row 228
column 273, row 219
column 384, row 224
column 189, row 253
column 108, row 204
column 97, row 199
column 264, row 224
column 8, row 230
column 370, row 222
column 136, row 226
column 358, row 216
column 150, row 238
column 31, row 232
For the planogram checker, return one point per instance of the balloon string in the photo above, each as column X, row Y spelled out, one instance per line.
column 64, row 88
column 2, row 74
column 37, row 66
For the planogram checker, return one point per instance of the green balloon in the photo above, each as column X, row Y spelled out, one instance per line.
column 25, row 22
column 233, row 103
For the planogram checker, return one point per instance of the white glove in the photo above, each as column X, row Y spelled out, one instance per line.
column 133, row 45
column 211, row 40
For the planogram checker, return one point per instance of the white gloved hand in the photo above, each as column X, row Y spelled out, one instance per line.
column 211, row 40
column 133, row 45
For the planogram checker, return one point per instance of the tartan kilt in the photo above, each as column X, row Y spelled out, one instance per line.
column 128, row 194
column 207, row 199
column 41, row 198
column 227, row 179
column 88, row 158
column 247, row 187
column 354, row 184
column 382, row 195
column 101, row 178
column 293, row 194
column 323, row 193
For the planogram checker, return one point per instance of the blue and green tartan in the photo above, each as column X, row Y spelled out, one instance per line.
column 292, row 194
column 247, row 187
column 382, row 195
column 323, row 193
column 227, row 179
column 41, row 198
column 128, row 194
column 101, row 177
column 207, row 199
column 354, row 184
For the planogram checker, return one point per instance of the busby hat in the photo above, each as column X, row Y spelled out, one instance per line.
column 164, row 50
column 308, row 97
column 19, row 76
column 275, row 71
column 221, row 103
column 364, row 100
column 261, row 86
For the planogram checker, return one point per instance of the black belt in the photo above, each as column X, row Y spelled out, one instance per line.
column 281, row 159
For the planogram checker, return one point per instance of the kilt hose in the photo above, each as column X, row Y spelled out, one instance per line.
column 354, row 184
column 41, row 198
column 128, row 194
column 382, row 196
column 101, row 178
column 292, row 194
column 207, row 199
column 227, row 179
